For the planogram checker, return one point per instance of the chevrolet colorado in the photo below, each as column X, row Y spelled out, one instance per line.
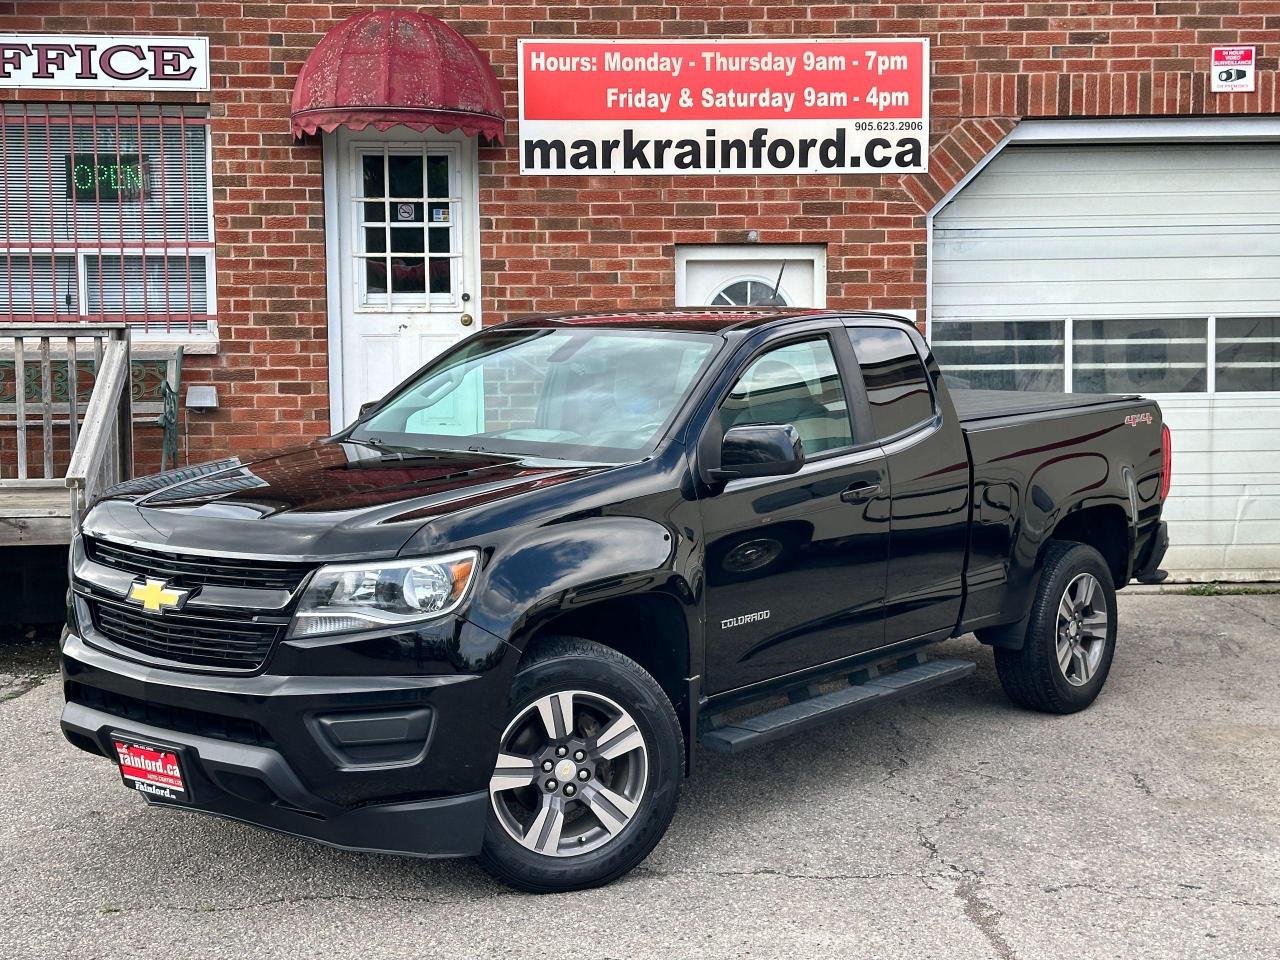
column 498, row 614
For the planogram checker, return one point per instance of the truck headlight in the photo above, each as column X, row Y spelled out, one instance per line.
column 342, row 597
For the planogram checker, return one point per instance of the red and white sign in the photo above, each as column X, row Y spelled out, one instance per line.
column 1233, row 70
column 70, row 62
column 151, row 770
column 724, row 106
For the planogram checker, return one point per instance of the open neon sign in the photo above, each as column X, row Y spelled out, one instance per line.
column 106, row 176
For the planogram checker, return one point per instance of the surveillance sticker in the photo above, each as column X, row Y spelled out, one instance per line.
column 1232, row 70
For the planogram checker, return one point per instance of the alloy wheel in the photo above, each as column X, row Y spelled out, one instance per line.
column 1082, row 629
column 571, row 772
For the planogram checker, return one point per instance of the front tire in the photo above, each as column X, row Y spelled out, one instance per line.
column 1071, row 634
column 588, row 772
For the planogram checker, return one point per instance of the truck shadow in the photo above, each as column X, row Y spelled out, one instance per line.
column 729, row 797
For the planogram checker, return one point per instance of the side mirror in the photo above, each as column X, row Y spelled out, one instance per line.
column 367, row 406
column 759, row 450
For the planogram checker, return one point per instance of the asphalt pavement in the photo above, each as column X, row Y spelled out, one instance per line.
column 950, row 826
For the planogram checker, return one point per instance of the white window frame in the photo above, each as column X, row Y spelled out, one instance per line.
column 426, row 302
column 815, row 254
column 1069, row 341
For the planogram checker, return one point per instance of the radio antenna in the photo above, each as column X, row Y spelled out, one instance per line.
column 773, row 297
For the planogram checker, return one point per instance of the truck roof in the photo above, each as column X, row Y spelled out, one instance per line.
column 691, row 320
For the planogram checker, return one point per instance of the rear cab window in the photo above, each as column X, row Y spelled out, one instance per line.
column 896, row 381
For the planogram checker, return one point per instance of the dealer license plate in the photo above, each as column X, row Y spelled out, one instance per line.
column 155, row 771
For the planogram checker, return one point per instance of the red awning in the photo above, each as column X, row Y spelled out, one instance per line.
column 390, row 67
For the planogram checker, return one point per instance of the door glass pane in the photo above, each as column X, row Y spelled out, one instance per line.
column 405, row 172
column 439, row 239
column 406, row 240
column 1248, row 354
column 441, row 275
column 896, row 381
column 375, row 275
column 796, row 384
column 375, row 181
column 439, row 212
column 408, row 275
column 375, row 239
column 1001, row 354
column 405, row 211
column 373, row 184
column 438, row 177
column 1139, row 356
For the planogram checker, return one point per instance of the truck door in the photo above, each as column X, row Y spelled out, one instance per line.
column 928, row 465
column 796, row 565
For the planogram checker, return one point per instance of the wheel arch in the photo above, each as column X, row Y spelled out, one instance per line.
column 1106, row 528
column 1103, row 526
column 650, row 628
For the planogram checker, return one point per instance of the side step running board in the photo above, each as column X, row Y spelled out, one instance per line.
column 803, row 714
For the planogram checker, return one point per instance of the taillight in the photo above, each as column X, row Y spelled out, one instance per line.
column 1166, row 462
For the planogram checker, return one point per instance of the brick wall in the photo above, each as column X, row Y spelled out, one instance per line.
column 568, row 243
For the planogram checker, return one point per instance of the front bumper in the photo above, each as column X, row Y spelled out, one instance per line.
column 394, row 764
column 223, row 776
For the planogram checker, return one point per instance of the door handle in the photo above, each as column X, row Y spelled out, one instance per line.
column 861, row 493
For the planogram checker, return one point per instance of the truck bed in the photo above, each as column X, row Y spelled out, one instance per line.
column 976, row 405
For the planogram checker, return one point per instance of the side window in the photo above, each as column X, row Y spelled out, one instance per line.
column 796, row 384
column 896, row 380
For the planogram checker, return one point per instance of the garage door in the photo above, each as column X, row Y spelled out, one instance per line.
column 1151, row 268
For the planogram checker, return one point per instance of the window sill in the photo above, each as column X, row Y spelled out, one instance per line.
column 143, row 347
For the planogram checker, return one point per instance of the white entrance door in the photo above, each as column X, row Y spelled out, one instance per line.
column 404, row 254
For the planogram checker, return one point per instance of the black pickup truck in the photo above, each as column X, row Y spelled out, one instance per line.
column 498, row 614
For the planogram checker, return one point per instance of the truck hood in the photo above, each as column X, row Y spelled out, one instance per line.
column 327, row 501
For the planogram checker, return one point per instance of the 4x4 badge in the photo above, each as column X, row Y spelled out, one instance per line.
column 155, row 595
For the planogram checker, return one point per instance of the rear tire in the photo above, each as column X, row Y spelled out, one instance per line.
column 580, row 705
column 1071, row 634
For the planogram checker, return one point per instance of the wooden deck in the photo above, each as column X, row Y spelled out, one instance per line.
column 35, row 515
column 45, row 510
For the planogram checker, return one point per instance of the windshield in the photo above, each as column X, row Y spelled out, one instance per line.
column 575, row 394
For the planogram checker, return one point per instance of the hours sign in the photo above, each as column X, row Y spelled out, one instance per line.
column 724, row 106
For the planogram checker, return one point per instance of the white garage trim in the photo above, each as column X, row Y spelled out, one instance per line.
column 1190, row 130
column 1130, row 265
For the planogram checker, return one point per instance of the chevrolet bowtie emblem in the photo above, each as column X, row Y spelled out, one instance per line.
column 155, row 596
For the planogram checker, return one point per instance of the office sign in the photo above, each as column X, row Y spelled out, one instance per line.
column 75, row 62
column 724, row 106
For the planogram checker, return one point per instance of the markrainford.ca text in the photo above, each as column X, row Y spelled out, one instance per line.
column 758, row 152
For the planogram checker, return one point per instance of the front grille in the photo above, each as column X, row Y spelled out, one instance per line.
column 189, row 570
column 177, row 719
column 231, row 644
